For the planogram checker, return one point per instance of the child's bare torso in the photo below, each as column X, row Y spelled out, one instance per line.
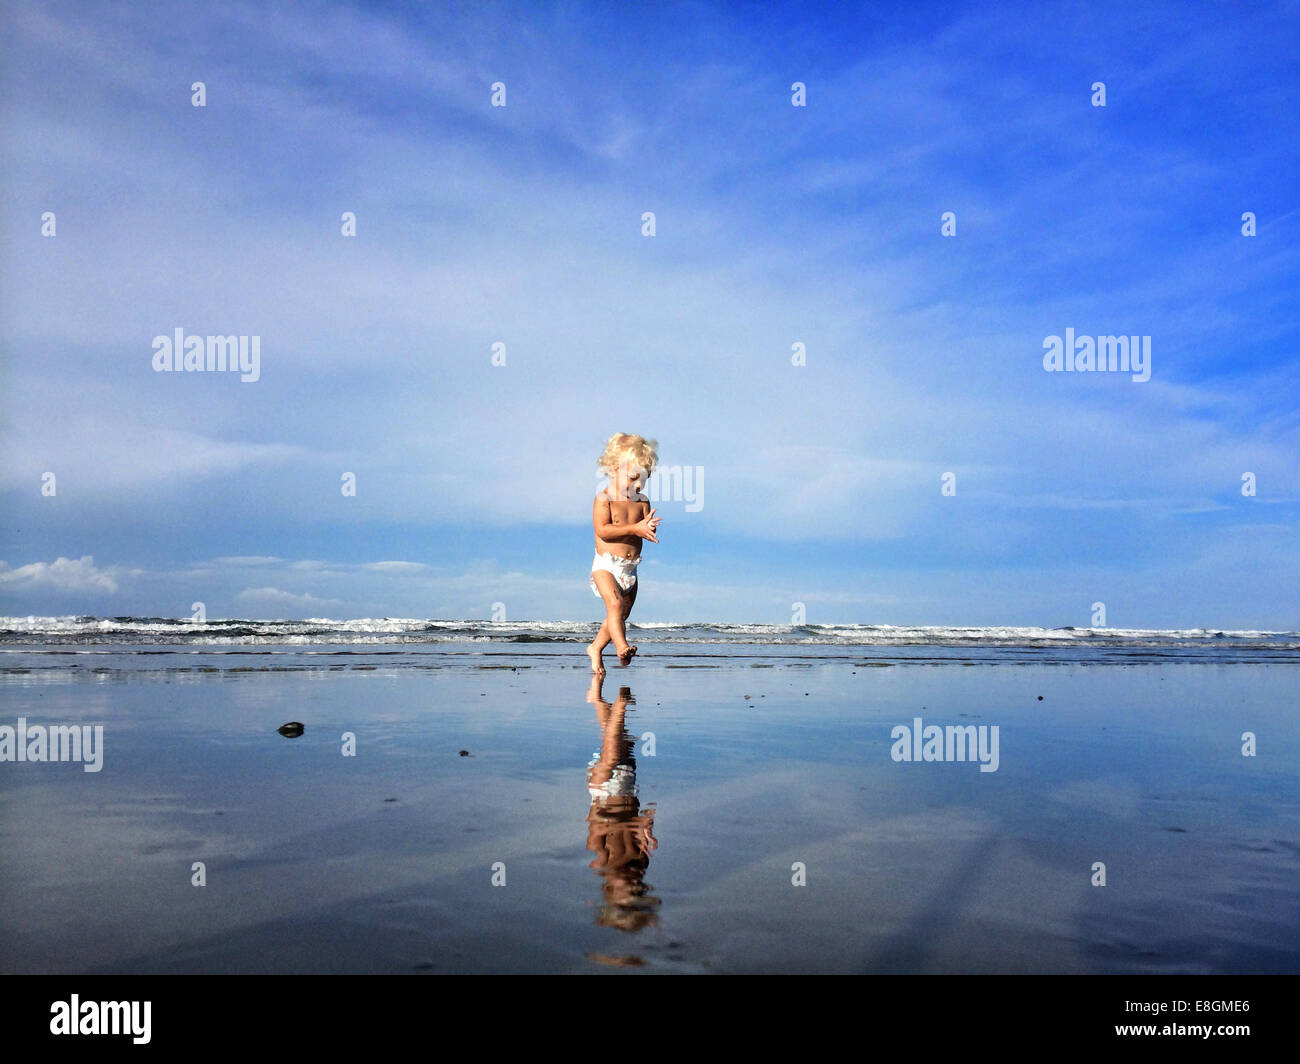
column 623, row 512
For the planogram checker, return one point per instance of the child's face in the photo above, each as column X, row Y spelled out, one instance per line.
column 629, row 478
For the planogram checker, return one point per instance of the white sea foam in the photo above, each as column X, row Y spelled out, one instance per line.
column 32, row 630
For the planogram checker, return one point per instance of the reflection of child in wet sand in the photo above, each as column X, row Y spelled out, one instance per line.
column 618, row 832
column 621, row 518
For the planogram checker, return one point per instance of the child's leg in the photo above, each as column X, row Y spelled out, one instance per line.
column 596, row 646
column 629, row 597
column 609, row 594
column 603, row 637
column 612, row 628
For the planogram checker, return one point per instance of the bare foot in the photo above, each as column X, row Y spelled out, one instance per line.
column 597, row 666
column 627, row 655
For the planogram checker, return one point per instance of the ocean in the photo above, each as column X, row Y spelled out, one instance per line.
column 19, row 635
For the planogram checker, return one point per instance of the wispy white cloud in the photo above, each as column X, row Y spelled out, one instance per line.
column 281, row 602
column 60, row 575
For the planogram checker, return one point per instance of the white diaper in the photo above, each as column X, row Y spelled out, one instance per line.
column 622, row 781
column 624, row 570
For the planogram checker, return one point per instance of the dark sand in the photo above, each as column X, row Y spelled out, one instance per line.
column 383, row 862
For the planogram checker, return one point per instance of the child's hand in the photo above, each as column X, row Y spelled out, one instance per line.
column 645, row 528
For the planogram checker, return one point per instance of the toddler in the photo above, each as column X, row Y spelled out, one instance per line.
column 621, row 518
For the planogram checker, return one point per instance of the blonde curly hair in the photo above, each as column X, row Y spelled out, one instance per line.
column 637, row 451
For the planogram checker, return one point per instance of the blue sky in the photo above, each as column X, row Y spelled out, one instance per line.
column 775, row 225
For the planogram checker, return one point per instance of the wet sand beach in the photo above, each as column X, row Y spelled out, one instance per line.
column 499, row 813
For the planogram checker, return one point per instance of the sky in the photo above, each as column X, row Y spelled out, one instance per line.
column 858, row 397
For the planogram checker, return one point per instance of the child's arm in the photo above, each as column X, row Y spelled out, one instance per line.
column 600, row 520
